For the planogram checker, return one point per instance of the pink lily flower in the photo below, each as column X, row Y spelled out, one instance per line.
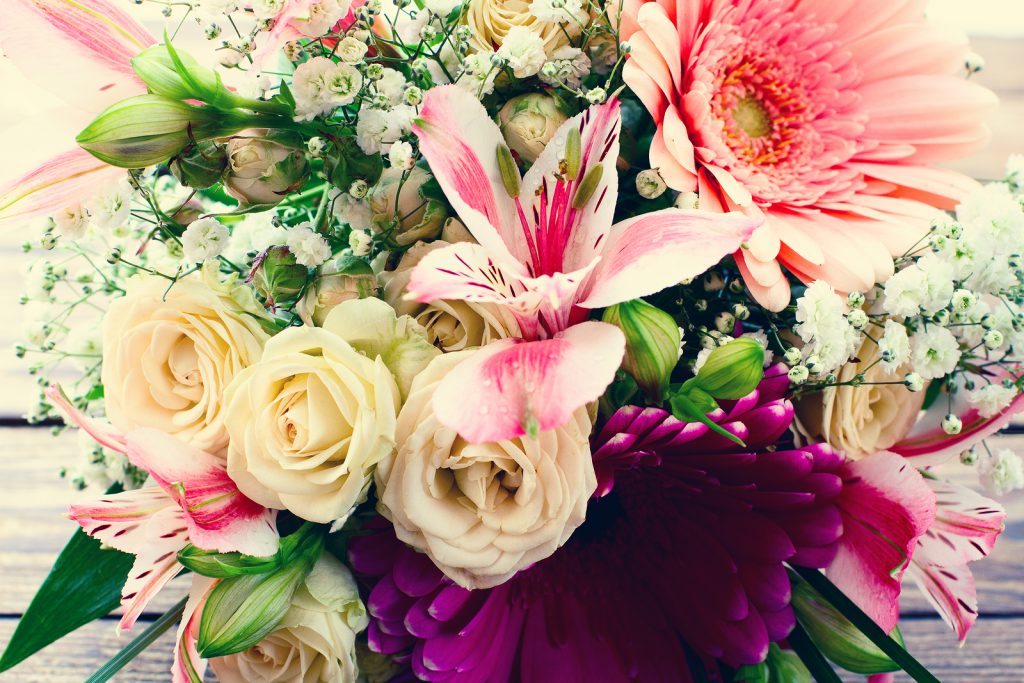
column 194, row 501
column 86, row 62
column 547, row 261
column 887, row 507
column 188, row 665
column 966, row 527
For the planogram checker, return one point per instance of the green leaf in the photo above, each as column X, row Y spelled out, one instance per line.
column 811, row 656
column 225, row 565
column 138, row 644
column 752, row 673
column 84, row 584
column 686, row 410
column 866, row 625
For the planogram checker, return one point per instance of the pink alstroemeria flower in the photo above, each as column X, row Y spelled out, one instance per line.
column 194, row 501
column 81, row 51
column 546, row 254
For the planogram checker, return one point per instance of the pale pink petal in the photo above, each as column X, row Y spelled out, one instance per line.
column 886, row 507
column 859, row 18
column 774, row 297
column 928, row 444
column 63, row 181
column 460, row 141
column 658, row 27
column 155, row 564
column 950, row 590
column 80, row 50
column 647, row 253
column 104, row 434
column 939, row 182
column 510, row 387
column 909, row 49
column 219, row 516
column 120, row 520
column 465, row 271
column 644, row 87
column 188, row 666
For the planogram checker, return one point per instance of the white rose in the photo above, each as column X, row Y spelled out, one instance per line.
column 482, row 511
column 316, row 639
column 169, row 352
column 311, row 420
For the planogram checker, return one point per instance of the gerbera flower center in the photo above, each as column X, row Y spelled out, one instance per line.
column 752, row 117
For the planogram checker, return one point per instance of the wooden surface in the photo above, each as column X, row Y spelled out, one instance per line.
column 33, row 498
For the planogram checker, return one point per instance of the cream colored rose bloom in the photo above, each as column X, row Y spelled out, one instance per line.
column 858, row 421
column 169, row 353
column 483, row 511
column 490, row 21
column 316, row 640
column 450, row 325
column 310, row 421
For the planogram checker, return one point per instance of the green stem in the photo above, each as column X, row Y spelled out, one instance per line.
column 140, row 643
column 811, row 656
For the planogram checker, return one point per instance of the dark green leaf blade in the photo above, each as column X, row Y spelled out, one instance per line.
column 866, row 625
column 84, row 584
column 811, row 656
column 138, row 644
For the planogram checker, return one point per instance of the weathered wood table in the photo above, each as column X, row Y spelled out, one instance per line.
column 33, row 499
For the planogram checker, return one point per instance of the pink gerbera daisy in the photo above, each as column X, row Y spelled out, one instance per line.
column 820, row 115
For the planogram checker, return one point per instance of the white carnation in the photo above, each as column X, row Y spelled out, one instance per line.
column 936, row 352
column 360, row 242
column 894, row 346
column 71, row 221
column 1001, row 472
column 320, row 86
column 391, row 85
column 203, row 240
column 992, row 399
column 523, row 49
column 401, row 155
column 309, row 248
column 568, row 65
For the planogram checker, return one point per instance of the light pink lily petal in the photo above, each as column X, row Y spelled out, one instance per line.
column 188, row 666
column 219, row 516
column 648, row 253
column 965, row 529
column 928, row 445
column 104, row 434
column 572, row 238
column 80, row 50
column 510, row 385
column 155, row 564
column 465, row 271
column 886, row 507
column 63, row 181
column 121, row 520
column 460, row 142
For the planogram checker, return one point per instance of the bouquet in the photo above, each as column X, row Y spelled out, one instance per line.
column 495, row 340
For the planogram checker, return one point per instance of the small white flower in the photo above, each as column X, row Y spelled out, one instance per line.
column 478, row 74
column 939, row 282
column 523, row 48
column 360, row 242
column 905, row 292
column 203, row 240
column 952, row 425
column 442, row 8
column 309, row 248
column 894, row 346
column 568, row 65
column 110, row 210
column 267, row 9
column 913, row 381
column 1001, row 472
column 351, row 50
column 936, row 352
column 391, row 84
column 213, row 7
column 320, row 86
column 559, row 11
column 991, row 399
column 255, row 233
column 355, row 213
column 597, row 95
column 798, row 374
column 71, row 221
column 401, row 155
column 377, row 129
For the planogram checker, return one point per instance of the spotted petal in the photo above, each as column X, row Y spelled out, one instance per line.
column 218, row 515
column 155, row 564
column 188, row 666
column 121, row 520
column 653, row 251
column 510, row 387
column 886, row 507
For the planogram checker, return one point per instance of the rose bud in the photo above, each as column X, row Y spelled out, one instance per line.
column 263, row 169
column 732, row 370
column 528, row 123
column 652, row 344
column 147, row 130
column 200, row 165
column 343, row 280
column 277, row 276
column 402, row 211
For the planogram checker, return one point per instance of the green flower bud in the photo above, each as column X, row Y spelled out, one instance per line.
column 224, row 565
column 733, row 370
column 652, row 344
column 785, row 666
column 146, row 130
column 277, row 276
column 241, row 611
column 176, row 75
column 836, row 637
column 200, row 166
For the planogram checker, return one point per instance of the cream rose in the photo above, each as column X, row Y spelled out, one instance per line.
column 316, row 640
column 261, row 168
column 310, row 421
column 490, row 21
column 483, row 511
column 169, row 352
column 450, row 325
column 859, row 421
column 399, row 208
column 528, row 123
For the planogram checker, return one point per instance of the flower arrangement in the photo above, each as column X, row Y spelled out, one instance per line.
column 508, row 340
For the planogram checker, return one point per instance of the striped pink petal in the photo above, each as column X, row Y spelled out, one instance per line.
column 188, row 666
column 65, row 180
column 155, row 564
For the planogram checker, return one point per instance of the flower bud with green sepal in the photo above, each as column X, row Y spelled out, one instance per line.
column 240, row 611
column 652, row 344
column 732, row 370
column 200, row 166
column 278, row 277
column 264, row 167
column 345, row 163
column 838, row 639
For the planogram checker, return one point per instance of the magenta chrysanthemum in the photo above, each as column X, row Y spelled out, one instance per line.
column 685, row 551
